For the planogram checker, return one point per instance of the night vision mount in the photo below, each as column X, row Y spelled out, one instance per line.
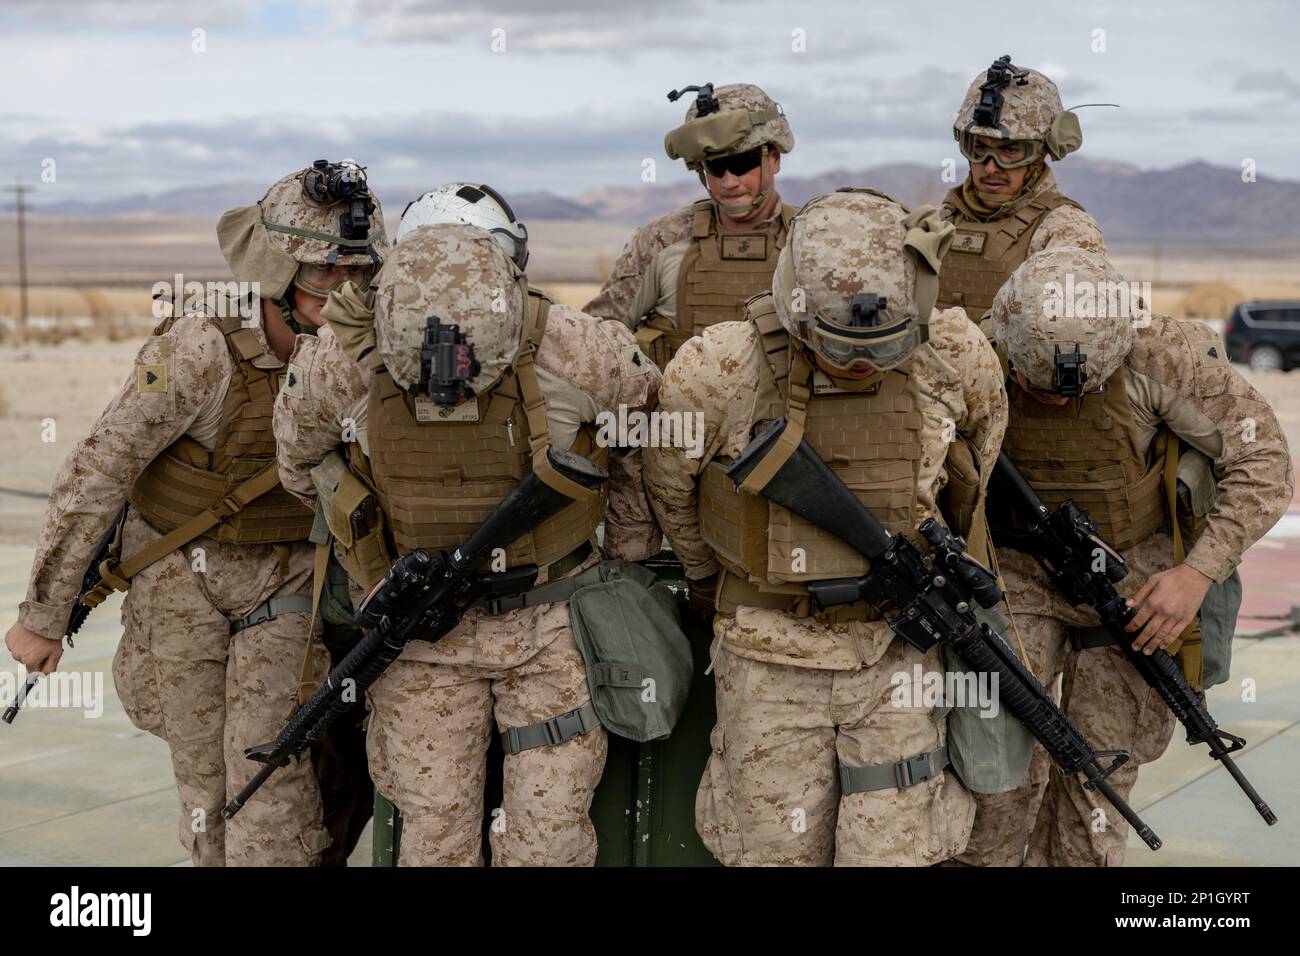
column 328, row 184
column 988, row 112
column 1069, row 375
column 705, row 103
column 866, row 309
column 447, row 363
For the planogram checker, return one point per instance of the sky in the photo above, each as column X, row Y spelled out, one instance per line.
column 125, row 97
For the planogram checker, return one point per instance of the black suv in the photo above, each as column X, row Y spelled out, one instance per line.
column 1265, row 335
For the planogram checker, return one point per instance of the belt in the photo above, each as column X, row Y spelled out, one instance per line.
column 552, row 592
column 1085, row 638
column 735, row 591
column 272, row 608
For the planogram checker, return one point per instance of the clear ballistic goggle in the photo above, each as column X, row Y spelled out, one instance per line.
column 1008, row 154
column 875, row 336
column 320, row 280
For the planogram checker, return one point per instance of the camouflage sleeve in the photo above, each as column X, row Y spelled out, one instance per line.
column 321, row 383
column 617, row 298
column 1068, row 226
column 714, row 379
column 979, row 378
column 1253, row 469
column 176, row 375
column 603, row 361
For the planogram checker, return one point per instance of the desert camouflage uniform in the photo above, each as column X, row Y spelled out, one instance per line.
column 1039, row 217
column 796, row 697
column 433, row 711
column 179, row 673
column 1064, row 226
column 644, row 280
column 1177, row 376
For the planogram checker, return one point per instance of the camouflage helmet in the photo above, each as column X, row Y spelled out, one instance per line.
column 267, row 243
column 742, row 118
column 1009, row 103
column 458, row 275
column 858, row 278
column 1060, row 298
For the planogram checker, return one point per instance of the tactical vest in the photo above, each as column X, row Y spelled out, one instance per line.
column 870, row 438
column 984, row 254
column 186, row 480
column 719, row 273
column 439, row 472
column 1088, row 451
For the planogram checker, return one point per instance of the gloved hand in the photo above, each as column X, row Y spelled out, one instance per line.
column 700, row 596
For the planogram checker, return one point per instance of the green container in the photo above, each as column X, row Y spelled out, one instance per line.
column 644, row 808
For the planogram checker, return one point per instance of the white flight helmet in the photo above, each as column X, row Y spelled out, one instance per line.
column 474, row 204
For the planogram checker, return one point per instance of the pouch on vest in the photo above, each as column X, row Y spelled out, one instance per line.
column 655, row 344
column 962, row 504
column 341, row 631
column 990, row 753
column 1197, row 492
column 355, row 520
column 639, row 663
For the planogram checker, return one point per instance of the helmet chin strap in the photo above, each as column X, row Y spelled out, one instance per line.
column 286, row 311
column 765, row 181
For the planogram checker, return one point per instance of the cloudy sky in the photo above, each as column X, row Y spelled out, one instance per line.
column 118, row 94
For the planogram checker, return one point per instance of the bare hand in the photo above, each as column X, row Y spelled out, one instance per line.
column 34, row 652
column 1166, row 605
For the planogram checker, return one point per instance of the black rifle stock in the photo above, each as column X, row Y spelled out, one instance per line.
column 931, row 593
column 1065, row 543
column 422, row 596
column 89, row 581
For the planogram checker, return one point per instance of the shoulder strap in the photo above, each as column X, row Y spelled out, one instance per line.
column 761, row 310
column 702, row 218
column 796, row 414
column 787, row 214
column 537, row 306
column 530, row 393
column 117, row 577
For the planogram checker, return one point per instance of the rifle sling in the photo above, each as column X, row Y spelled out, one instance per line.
column 306, row 677
column 117, row 577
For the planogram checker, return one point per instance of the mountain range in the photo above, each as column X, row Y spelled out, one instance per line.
column 1195, row 201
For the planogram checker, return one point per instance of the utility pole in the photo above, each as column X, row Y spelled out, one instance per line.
column 19, row 191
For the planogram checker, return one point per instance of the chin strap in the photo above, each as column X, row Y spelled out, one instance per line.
column 764, row 179
column 286, row 311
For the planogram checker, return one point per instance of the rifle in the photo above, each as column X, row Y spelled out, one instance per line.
column 931, row 593
column 1065, row 543
column 89, row 581
column 422, row 595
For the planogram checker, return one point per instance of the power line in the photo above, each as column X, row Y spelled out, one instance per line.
column 19, row 191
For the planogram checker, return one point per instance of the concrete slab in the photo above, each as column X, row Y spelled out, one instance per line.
column 139, row 831
column 1211, row 823
column 85, row 791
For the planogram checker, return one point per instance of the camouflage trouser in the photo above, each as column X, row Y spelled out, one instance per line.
column 430, row 727
column 770, row 794
column 182, row 677
column 1051, row 815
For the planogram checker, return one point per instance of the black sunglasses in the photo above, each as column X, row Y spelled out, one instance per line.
column 737, row 165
